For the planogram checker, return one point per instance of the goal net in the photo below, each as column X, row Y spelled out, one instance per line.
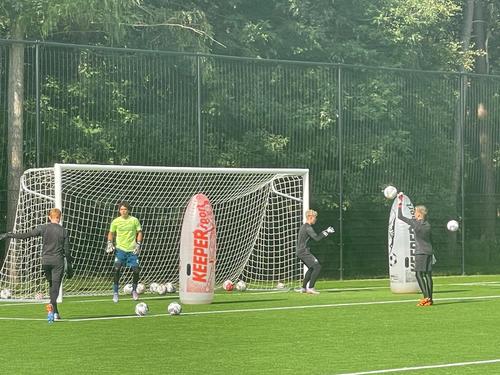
column 257, row 211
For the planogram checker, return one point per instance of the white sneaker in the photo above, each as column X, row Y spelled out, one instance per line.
column 312, row 291
column 57, row 316
column 115, row 297
column 135, row 295
column 300, row 290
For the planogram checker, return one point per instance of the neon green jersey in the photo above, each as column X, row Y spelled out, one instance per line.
column 126, row 231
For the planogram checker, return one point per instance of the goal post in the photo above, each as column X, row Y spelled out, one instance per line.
column 257, row 212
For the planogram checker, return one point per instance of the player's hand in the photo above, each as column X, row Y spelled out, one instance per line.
column 110, row 248
column 138, row 247
column 328, row 231
column 5, row 235
column 401, row 196
column 69, row 271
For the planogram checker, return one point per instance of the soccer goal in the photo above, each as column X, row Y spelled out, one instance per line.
column 257, row 211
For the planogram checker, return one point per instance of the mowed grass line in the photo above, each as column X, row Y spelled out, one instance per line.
column 312, row 340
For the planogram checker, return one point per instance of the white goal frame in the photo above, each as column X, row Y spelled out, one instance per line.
column 49, row 188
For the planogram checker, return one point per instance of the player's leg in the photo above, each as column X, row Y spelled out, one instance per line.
column 47, row 270
column 312, row 272
column 428, row 279
column 57, row 276
column 133, row 263
column 119, row 259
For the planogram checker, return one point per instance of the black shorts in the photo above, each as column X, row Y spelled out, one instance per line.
column 423, row 262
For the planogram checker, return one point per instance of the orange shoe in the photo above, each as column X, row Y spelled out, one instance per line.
column 423, row 302
column 429, row 302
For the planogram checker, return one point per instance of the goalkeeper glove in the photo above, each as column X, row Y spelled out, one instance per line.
column 110, row 248
column 328, row 231
column 5, row 235
column 137, row 249
column 69, row 271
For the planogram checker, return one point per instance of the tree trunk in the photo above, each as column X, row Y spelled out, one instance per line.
column 15, row 97
column 488, row 202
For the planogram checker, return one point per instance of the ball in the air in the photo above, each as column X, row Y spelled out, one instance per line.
column 170, row 287
column 452, row 225
column 127, row 289
column 174, row 308
column 241, row 286
column 228, row 285
column 390, row 192
column 141, row 309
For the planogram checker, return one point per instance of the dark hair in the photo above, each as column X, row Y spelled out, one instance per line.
column 123, row 204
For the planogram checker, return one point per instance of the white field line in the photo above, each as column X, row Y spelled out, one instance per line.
column 402, row 369
column 268, row 309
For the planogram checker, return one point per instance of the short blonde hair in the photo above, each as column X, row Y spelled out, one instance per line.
column 311, row 213
column 55, row 213
column 421, row 209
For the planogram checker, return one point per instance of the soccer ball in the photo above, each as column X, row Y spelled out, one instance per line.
column 241, row 286
column 170, row 287
column 280, row 285
column 5, row 293
column 140, row 288
column 161, row 289
column 141, row 309
column 390, row 192
column 393, row 259
column 127, row 289
column 228, row 285
column 174, row 308
column 452, row 225
column 153, row 287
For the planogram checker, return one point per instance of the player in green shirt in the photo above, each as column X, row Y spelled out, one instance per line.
column 126, row 231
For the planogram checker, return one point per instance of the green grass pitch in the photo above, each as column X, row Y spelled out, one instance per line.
column 352, row 327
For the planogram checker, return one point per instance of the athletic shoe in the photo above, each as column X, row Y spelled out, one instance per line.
column 423, row 302
column 301, row 290
column 429, row 302
column 135, row 296
column 50, row 312
column 57, row 316
column 312, row 291
column 115, row 297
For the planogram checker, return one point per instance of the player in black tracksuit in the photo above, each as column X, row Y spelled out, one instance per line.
column 423, row 251
column 307, row 232
column 55, row 248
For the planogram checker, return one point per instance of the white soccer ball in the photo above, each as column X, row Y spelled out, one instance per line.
column 280, row 285
column 141, row 309
column 140, row 288
column 228, row 285
column 452, row 225
column 161, row 289
column 5, row 294
column 153, row 287
column 390, row 192
column 241, row 286
column 170, row 287
column 174, row 308
column 127, row 289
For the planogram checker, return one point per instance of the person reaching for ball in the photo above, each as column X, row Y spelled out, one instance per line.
column 423, row 251
column 306, row 232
